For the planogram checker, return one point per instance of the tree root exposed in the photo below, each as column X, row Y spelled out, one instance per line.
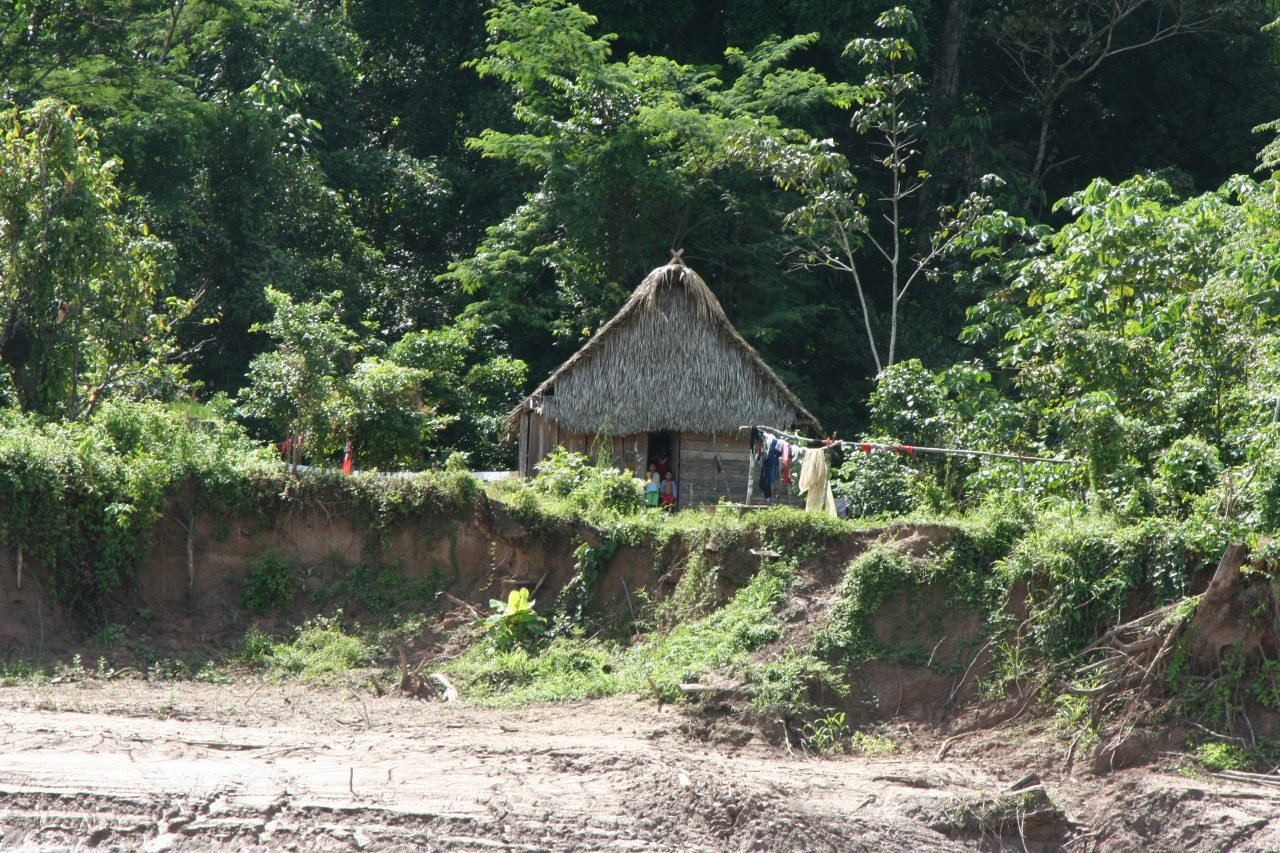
column 1125, row 673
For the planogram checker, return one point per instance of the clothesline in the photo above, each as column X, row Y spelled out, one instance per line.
column 910, row 449
column 776, row 457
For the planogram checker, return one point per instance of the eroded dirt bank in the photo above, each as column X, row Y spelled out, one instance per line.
column 123, row 765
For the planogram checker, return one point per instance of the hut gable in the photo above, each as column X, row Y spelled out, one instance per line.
column 669, row 360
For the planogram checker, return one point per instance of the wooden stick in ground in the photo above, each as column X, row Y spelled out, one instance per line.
column 965, row 677
column 786, row 738
column 634, row 627
column 406, row 684
column 363, row 708
column 191, row 553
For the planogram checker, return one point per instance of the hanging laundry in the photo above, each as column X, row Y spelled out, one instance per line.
column 815, row 484
column 786, row 463
column 835, row 456
column 769, row 468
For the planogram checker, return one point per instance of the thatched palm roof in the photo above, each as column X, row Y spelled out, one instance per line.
column 668, row 360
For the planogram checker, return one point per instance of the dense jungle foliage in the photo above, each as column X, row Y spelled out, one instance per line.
column 1051, row 228
column 383, row 222
column 1048, row 227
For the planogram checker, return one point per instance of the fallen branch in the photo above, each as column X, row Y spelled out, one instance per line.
column 458, row 601
column 1251, row 778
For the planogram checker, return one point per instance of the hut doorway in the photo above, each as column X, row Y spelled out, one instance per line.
column 663, row 454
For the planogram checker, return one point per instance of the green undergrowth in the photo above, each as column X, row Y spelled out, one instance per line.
column 274, row 584
column 1083, row 571
column 384, row 504
column 1043, row 586
column 320, row 650
column 573, row 667
column 367, row 610
column 82, row 499
column 1215, row 755
column 21, row 673
column 1030, row 585
column 547, row 515
column 957, row 575
column 1030, row 588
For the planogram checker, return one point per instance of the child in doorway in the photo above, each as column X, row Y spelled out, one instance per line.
column 669, row 492
column 652, row 486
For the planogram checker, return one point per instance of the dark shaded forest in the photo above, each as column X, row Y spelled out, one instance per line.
column 388, row 220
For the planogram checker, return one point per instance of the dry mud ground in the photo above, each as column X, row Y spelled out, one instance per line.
column 126, row 765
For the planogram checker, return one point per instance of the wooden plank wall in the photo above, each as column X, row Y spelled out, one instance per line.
column 700, row 482
column 545, row 436
column 694, row 457
column 708, row 486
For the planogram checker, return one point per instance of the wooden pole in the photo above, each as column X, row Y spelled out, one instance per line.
column 191, row 554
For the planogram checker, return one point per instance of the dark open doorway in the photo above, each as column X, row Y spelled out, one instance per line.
column 663, row 453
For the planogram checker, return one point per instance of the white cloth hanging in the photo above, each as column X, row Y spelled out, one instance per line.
column 815, row 484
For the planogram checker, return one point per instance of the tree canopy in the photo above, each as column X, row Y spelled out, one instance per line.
column 458, row 194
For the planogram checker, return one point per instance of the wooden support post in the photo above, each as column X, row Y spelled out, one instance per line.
column 191, row 554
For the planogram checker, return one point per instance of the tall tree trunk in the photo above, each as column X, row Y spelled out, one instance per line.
column 944, row 92
column 1042, row 152
column 946, row 70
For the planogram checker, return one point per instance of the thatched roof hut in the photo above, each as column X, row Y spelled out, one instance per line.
column 669, row 362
